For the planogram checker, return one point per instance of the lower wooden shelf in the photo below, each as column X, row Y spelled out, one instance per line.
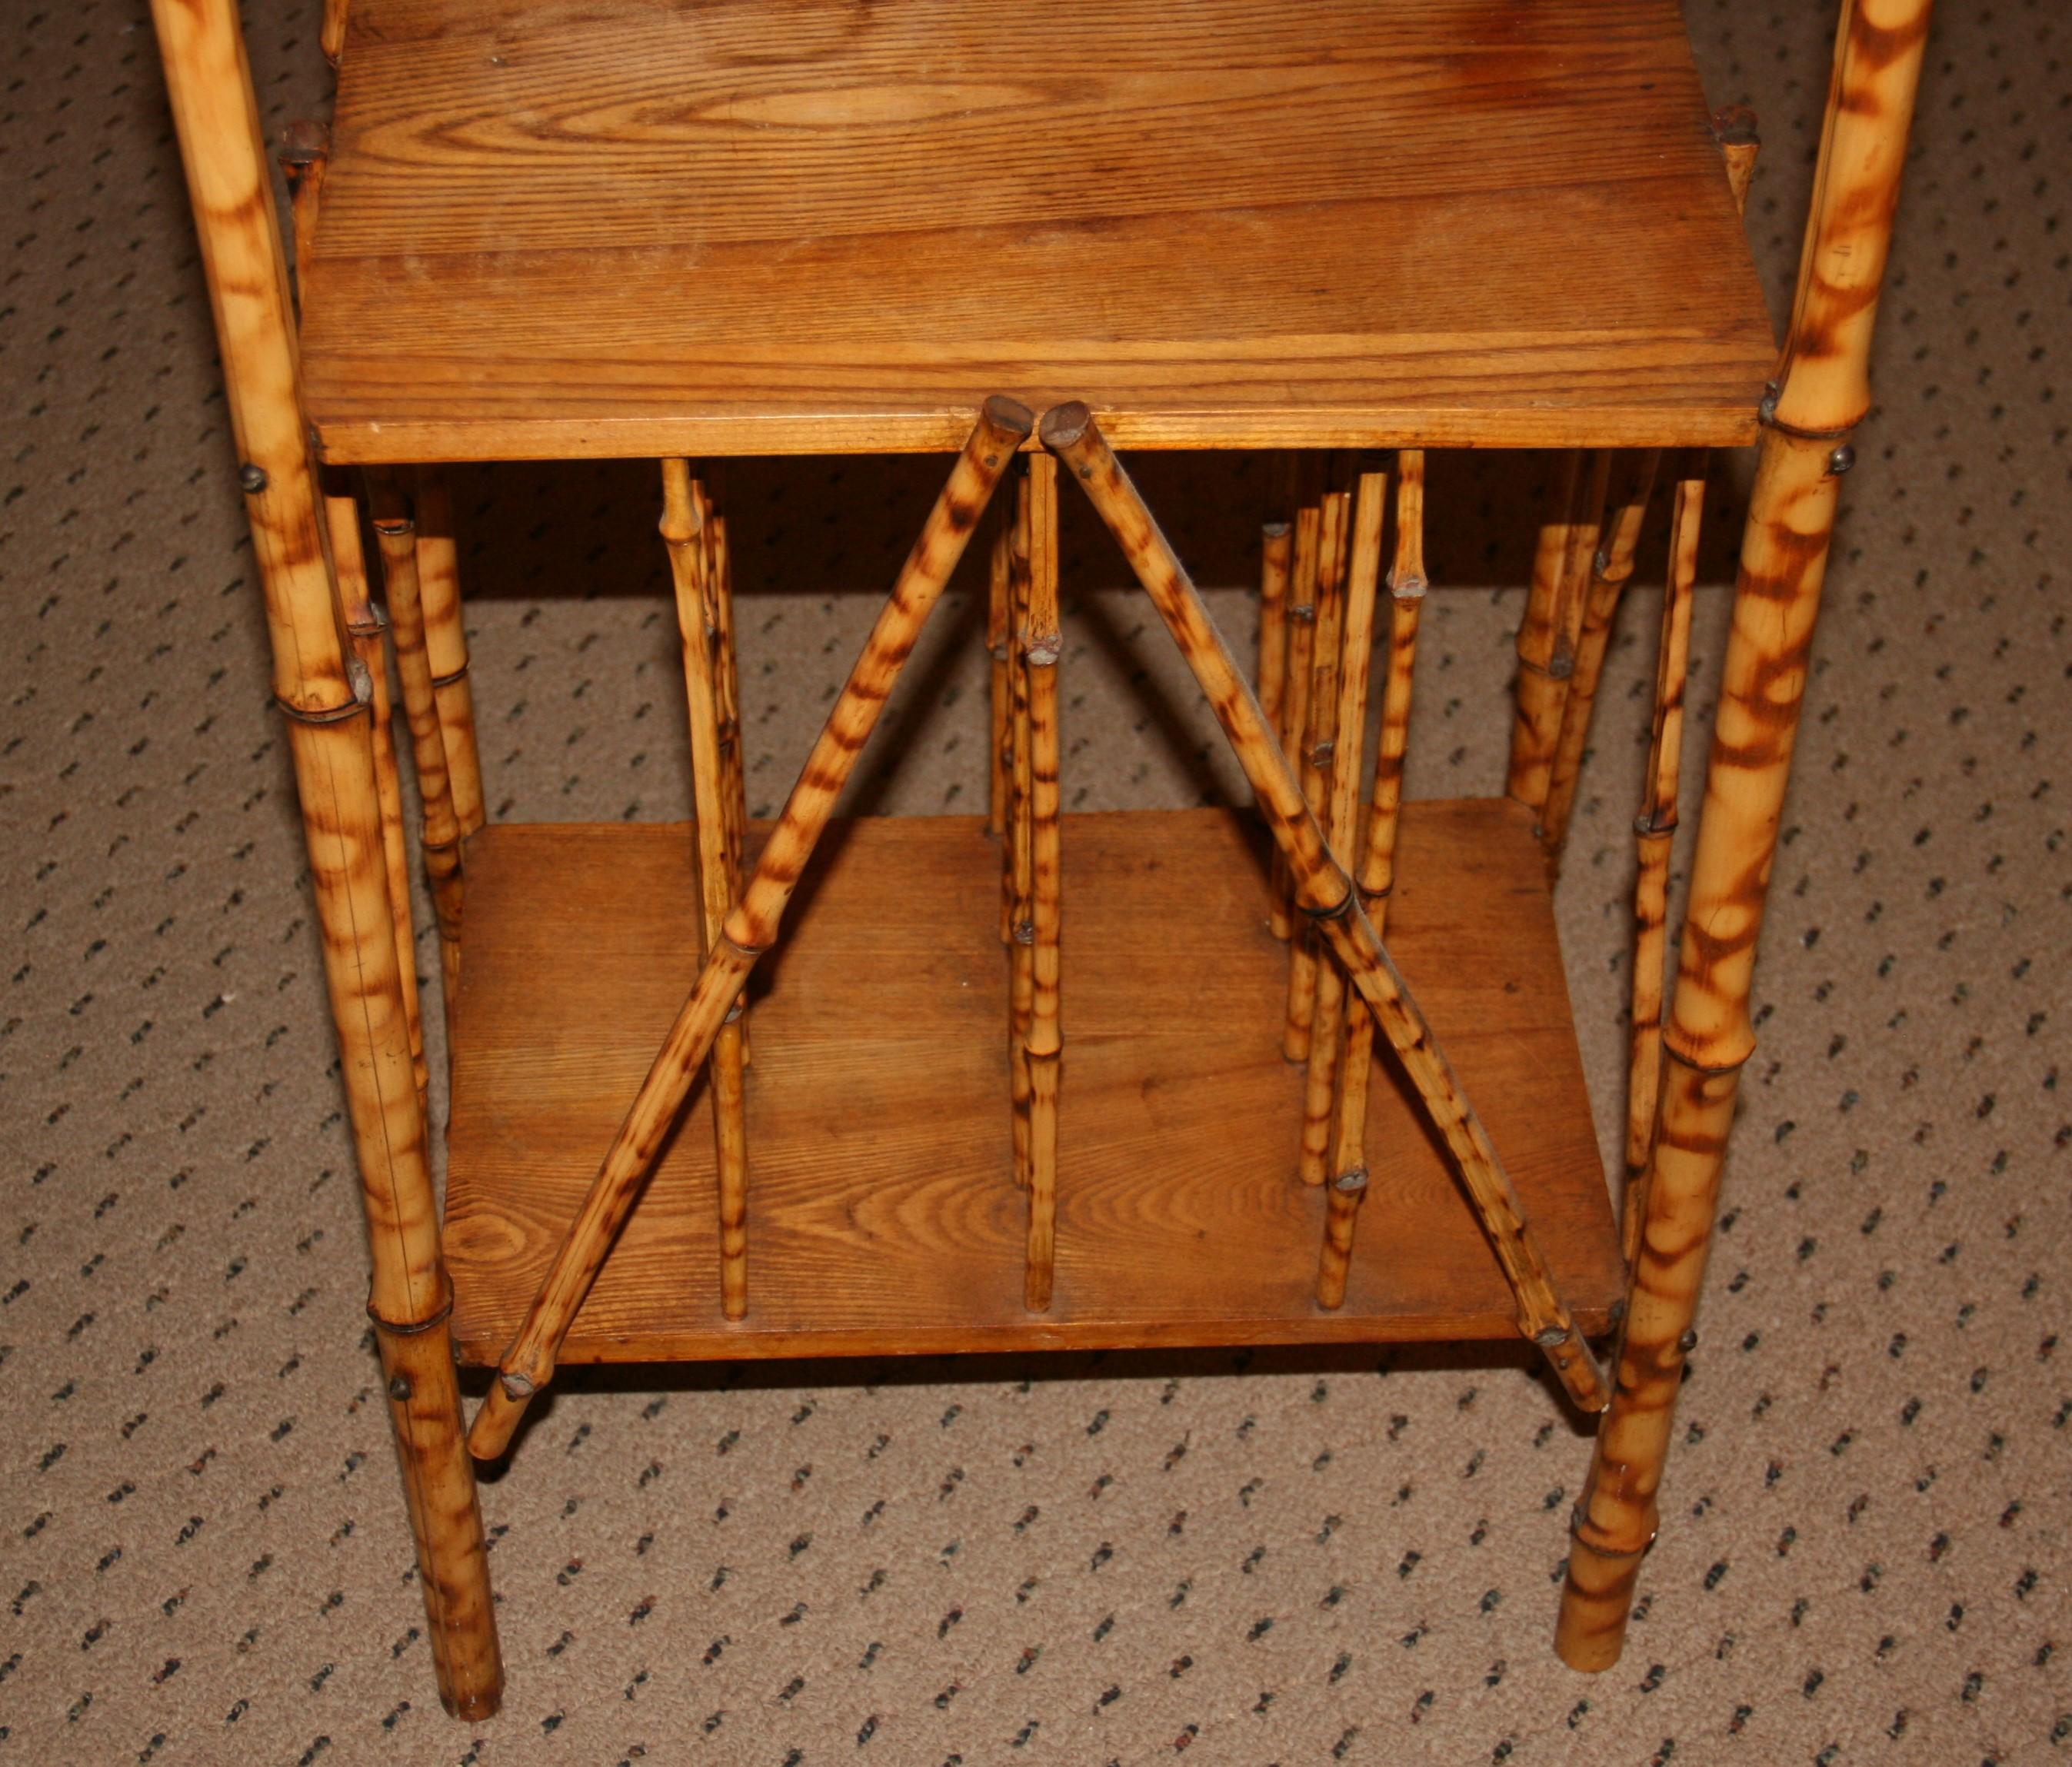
column 882, row 1217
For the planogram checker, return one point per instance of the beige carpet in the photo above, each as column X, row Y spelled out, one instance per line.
column 1244, row 1559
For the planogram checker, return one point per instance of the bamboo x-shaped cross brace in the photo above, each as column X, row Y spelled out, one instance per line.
column 1321, row 886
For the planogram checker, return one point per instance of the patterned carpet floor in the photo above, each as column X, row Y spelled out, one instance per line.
column 1238, row 1558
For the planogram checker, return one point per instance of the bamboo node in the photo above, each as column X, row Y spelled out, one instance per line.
column 459, row 674
column 357, row 678
column 410, row 1328
column 1579, row 1527
column 1275, row 530
column 1646, row 824
column 1352, row 1182
column 1410, row 587
column 520, row 1387
column 1321, row 752
column 1338, row 911
column 1551, row 1335
column 1043, row 650
column 251, row 479
column 1024, row 932
column 1559, row 669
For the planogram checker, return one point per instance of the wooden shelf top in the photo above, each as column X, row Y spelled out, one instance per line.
column 883, row 1213
column 555, row 229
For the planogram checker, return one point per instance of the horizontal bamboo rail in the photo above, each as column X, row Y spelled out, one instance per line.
column 1326, row 894
column 751, row 927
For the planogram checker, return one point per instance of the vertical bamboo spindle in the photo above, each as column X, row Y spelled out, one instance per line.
column 1376, row 877
column 326, row 700
column 751, row 927
column 445, row 646
column 1307, row 744
column 1276, row 550
column 1000, row 757
column 440, row 839
column 1553, row 615
column 1823, row 390
column 364, row 628
column 1326, row 895
column 1654, row 829
column 683, row 531
column 717, row 575
column 1045, row 1042
column 1020, row 836
column 1294, row 709
column 1655, row 832
column 304, row 154
column 1610, row 570
column 1347, row 744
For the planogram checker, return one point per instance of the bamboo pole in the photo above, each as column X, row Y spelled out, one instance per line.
column 1000, row 752
column 1824, row 392
column 1376, row 878
column 331, row 34
column 1294, row 727
column 1609, row 571
column 1275, row 551
column 1294, row 709
column 446, row 645
column 1022, row 839
column 439, row 841
column 1310, row 742
column 1044, row 1043
column 752, row 925
column 1339, row 755
column 364, row 628
column 718, row 576
column 1655, row 832
column 327, row 701
column 1326, row 894
column 684, row 528
column 1547, row 635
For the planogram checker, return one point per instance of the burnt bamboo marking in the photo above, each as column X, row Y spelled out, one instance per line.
column 1045, row 1043
column 1824, row 392
column 752, row 925
column 717, row 568
column 1377, row 873
column 686, row 529
column 328, row 698
column 1326, row 894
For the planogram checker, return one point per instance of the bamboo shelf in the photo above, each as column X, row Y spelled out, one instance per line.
column 619, row 228
column 882, row 1217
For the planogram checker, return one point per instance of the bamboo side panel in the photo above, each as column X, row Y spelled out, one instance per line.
column 752, row 925
column 685, row 531
column 1044, row 1043
column 365, row 629
column 1376, row 877
column 445, row 646
column 1325, row 892
column 1610, row 570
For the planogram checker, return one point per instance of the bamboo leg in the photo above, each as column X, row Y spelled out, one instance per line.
column 1021, row 840
column 1045, row 1043
column 1547, row 636
column 327, row 700
column 1655, row 832
column 1377, row 872
column 446, row 647
column 684, row 525
column 1276, row 550
column 364, row 628
column 1609, row 573
column 751, row 927
column 440, row 840
column 1341, row 724
column 1294, row 726
column 1326, row 895
column 1824, row 391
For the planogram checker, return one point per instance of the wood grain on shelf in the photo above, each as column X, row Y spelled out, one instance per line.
column 554, row 229
column 883, row 1212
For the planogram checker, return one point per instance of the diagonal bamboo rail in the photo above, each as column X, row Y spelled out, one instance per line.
column 1326, row 894
column 752, row 925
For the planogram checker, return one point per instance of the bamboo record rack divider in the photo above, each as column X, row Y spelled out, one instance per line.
column 1175, row 1140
